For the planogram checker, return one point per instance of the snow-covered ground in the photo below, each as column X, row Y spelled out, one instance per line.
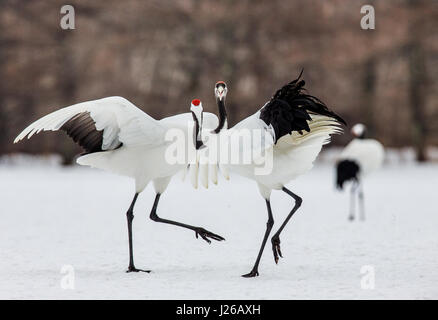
column 53, row 216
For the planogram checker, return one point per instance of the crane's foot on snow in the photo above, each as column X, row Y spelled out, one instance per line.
column 276, row 248
column 134, row 269
column 252, row 274
column 351, row 218
column 207, row 234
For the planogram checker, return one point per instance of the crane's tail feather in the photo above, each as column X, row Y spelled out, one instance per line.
column 319, row 126
column 291, row 109
column 346, row 170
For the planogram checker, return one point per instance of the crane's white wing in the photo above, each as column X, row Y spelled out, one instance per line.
column 101, row 125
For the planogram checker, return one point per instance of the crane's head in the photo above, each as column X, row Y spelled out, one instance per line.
column 220, row 90
column 359, row 130
column 196, row 109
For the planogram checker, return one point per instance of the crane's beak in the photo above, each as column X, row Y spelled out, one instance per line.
column 220, row 94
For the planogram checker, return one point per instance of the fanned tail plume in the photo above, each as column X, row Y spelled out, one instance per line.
column 290, row 109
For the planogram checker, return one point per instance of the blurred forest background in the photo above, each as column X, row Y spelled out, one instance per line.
column 160, row 54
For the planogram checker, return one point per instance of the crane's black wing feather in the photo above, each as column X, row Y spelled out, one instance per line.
column 288, row 110
column 82, row 129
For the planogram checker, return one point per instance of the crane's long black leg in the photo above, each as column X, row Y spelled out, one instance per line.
column 361, row 203
column 352, row 201
column 198, row 231
column 130, row 217
column 255, row 270
column 276, row 237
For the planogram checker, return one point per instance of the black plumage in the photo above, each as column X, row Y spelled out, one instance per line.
column 289, row 108
column 346, row 170
column 82, row 129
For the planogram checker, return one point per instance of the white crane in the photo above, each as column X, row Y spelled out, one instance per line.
column 297, row 125
column 358, row 159
column 119, row 137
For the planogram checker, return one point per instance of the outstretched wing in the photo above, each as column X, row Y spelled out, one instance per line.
column 290, row 109
column 101, row 125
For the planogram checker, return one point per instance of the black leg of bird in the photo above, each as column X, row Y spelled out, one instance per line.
column 130, row 217
column 361, row 203
column 198, row 231
column 255, row 270
column 276, row 237
column 352, row 201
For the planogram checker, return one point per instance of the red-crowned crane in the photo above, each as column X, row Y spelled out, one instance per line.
column 119, row 137
column 358, row 159
column 296, row 126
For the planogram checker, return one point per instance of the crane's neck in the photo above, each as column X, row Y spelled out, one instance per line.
column 222, row 116
column 197, row 138
column 362, row 135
